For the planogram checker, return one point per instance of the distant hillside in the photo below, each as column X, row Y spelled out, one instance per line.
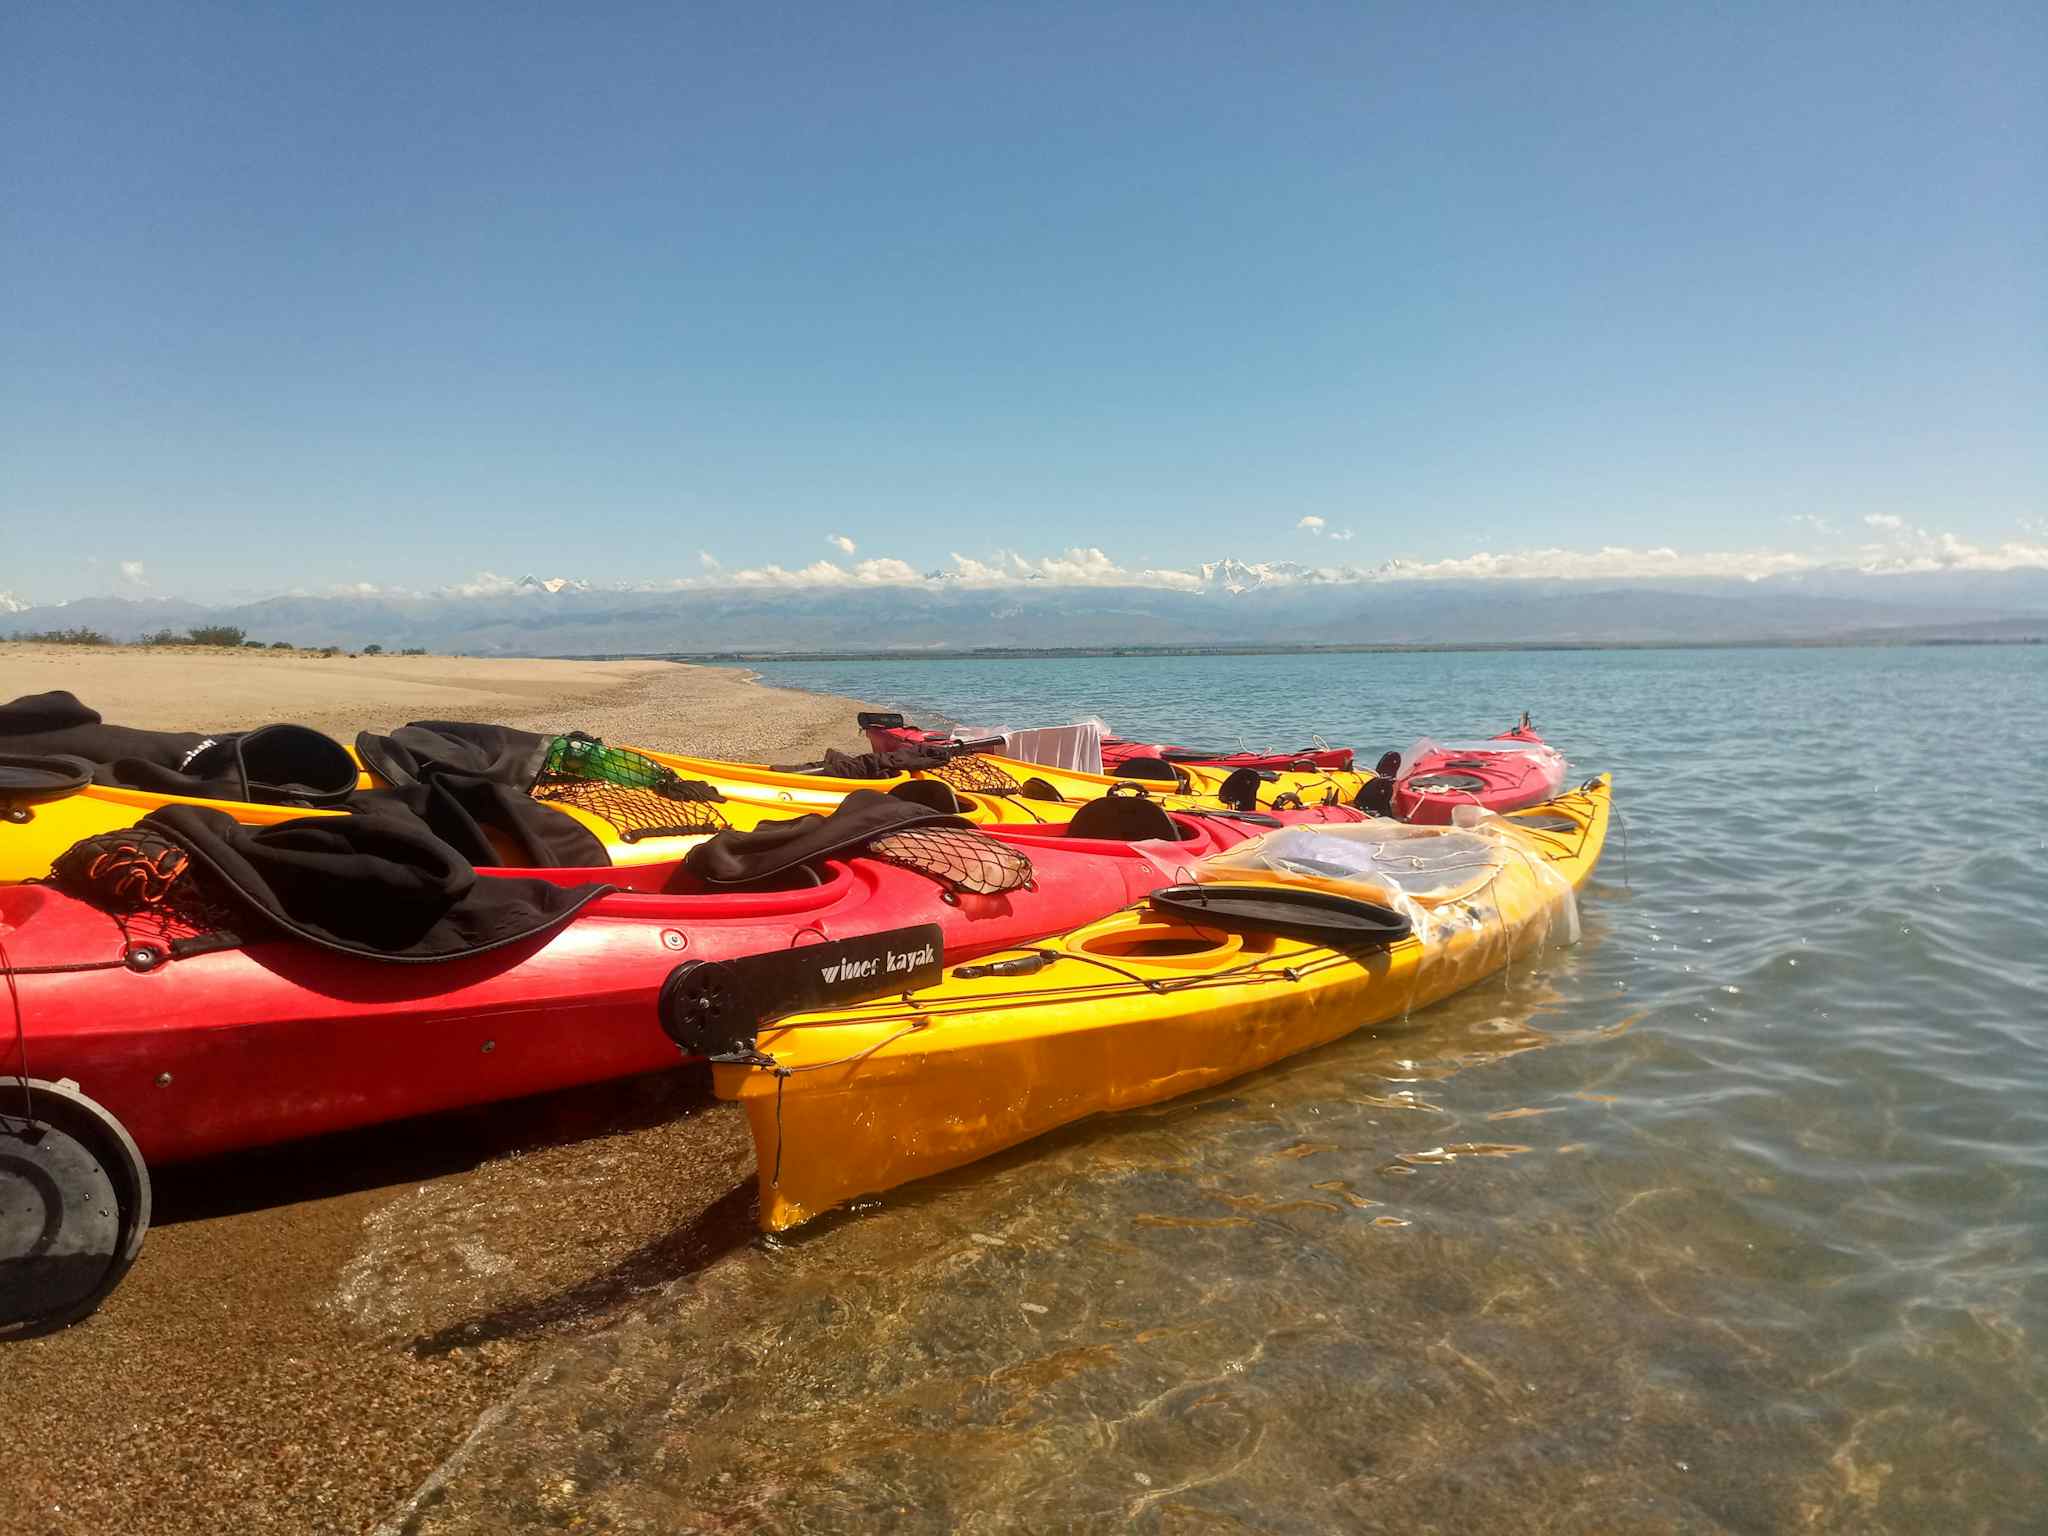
column 1223, row 603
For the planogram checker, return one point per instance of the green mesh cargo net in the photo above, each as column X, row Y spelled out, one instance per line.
column 636, row 795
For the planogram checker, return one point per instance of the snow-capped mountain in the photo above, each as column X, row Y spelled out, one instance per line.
column 1082, row 598
column 1236, row 576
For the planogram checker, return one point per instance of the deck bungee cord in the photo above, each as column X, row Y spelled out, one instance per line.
column 1164, row 997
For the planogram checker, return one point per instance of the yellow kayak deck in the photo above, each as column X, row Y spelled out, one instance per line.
column 1130, row 1010
column 636, row 826
column 37, row 828
column 1000, row 778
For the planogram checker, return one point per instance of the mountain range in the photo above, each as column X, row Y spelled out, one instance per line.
column 1222, row 602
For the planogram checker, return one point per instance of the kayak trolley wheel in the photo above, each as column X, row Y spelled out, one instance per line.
column 702, row 1011
column 74, row 1205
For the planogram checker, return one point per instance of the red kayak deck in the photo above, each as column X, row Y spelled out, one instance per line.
column 279, row 1040
column 1503, row 773
column 1118, row 750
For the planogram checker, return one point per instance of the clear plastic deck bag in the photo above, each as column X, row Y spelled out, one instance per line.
column 1444, row 878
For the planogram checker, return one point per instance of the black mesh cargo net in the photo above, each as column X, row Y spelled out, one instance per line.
column 976, row 775
column 147, row 885
column 959, row 858
column 637, row 796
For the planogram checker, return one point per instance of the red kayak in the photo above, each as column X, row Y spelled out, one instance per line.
column 209, row 1052
column 1503, row 773
column 890, row 732
column 1116, row 751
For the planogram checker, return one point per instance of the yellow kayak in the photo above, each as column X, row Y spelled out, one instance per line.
column 1143, row 1005
column 1002, row 778
column 636, row 826
column 36, row 827
column 639, row 827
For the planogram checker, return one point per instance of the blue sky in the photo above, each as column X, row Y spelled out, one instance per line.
column 393, row 294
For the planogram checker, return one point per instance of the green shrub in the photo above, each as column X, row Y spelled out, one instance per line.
column 414, row 650
column 373, row 650
column 282, row 645
column 218, row 634
column 79, row 636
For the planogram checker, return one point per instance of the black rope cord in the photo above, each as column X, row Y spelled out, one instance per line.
column 68, row 967
column 28, row 1103
column 1250, row 971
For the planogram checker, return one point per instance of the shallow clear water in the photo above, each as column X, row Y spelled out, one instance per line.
column 1732, row 1218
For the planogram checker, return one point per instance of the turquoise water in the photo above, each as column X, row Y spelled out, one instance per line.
column 1732, row 1218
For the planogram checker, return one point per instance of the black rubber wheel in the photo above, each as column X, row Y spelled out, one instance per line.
column 701, row 1009
column 74, row 1205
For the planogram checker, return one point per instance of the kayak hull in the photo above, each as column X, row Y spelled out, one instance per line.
column 280, row 1040
column 869, row 1098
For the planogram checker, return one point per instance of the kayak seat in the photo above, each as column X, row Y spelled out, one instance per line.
column 1376, row 796
column 1037, row 789
column 932, row 794
column 1240, row 789
column 42, row 774
column 1154, row 769
column 1124, row 819
column 678, row 879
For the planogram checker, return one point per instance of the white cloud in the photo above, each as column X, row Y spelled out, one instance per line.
column 967, row 568
column 707, row 559
column 841, row 542
column 1903, row 549
column 1885, row 520
column 1077, row 566
column 819, row 573
column 1916, row 550
column 1312, row 523
column 1611, row 563
column 132, row 570
column 482, row 584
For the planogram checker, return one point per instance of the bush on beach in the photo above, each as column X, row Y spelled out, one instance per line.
column 78, row 636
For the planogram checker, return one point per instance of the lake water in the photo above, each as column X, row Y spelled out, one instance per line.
column 1732, row 1218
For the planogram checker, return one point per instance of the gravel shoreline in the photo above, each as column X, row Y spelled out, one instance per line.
column 311, row 1331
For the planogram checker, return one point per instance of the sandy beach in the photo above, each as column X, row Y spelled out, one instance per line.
column 299, row 1345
